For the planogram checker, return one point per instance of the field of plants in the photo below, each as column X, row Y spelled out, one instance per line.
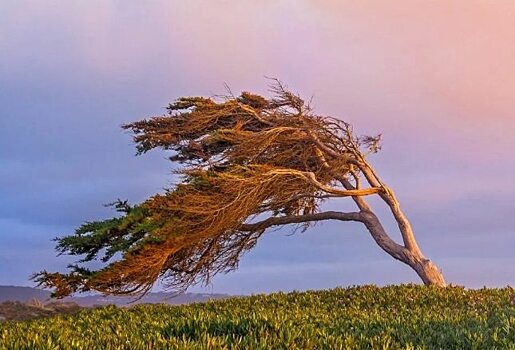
column 368, row 317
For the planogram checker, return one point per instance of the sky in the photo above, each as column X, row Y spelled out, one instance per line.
column 435, row 78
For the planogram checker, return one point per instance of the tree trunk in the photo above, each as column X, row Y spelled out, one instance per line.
column 426, row 270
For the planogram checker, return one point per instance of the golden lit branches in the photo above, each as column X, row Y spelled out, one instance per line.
column 243, row 158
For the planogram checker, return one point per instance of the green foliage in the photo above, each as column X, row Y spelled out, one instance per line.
column 100, row 240
column 397, row 317
column 115, row 235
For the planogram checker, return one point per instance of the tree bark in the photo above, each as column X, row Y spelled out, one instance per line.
column 410, row 254
column 429, row 273
column 425, row 269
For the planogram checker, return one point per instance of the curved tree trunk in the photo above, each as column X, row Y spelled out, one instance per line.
column 410, row 253
column 427, row 271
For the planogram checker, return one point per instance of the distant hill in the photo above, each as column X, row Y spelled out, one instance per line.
column 22, row 294
column 151, row 298
column 25, row 294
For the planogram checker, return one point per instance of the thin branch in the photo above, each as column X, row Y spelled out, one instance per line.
column 310, row 177
column 360, row 201
column 357, row 179
column 255, row 114
column 322, row 146
column 388, row 196
column 285, row 220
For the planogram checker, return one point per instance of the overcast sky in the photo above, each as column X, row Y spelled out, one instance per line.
column 435, row 78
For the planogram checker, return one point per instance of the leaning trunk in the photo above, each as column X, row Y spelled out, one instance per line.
column 426, row 270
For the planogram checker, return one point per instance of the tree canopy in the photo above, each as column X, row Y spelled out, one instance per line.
column 245, row 163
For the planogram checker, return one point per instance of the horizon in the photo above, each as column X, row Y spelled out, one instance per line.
column 435, row 79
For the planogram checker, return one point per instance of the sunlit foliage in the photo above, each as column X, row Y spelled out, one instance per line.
column 245, row 164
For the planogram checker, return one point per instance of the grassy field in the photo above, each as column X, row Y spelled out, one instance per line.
column 398, row 317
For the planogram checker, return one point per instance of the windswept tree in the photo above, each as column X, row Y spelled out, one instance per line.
column 246, row 164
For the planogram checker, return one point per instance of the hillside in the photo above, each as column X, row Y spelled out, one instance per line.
column 26, row 294
column 407, row 317
column 22, row 294
column 25, row 303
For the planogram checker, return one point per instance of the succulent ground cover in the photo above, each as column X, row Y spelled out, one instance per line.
column 367, row 317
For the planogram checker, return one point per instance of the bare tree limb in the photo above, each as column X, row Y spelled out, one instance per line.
column 285, row 220
column 310, row 177
column 254, row 113
column 388, row 196
column 360, row 201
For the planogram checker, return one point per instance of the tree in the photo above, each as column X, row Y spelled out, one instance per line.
column 247, row 164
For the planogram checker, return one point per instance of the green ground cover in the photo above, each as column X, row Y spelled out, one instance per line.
column 368, row 317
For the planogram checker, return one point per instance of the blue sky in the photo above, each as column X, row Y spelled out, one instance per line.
column 436, row 79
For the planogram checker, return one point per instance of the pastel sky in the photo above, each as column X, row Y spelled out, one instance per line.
column 437, row 79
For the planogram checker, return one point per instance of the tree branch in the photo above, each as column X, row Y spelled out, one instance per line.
column 311, row 178
column 360, row 201
column 255, row 114
column 322, row 146
column 390, row 199
column 297, row 219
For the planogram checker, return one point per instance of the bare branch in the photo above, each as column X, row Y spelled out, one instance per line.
column 360, row 201
column 323, row 147
column 285, row 220
column 254, row 113
column 310, row 177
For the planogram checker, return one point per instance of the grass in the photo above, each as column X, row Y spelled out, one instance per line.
column 368, row 317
